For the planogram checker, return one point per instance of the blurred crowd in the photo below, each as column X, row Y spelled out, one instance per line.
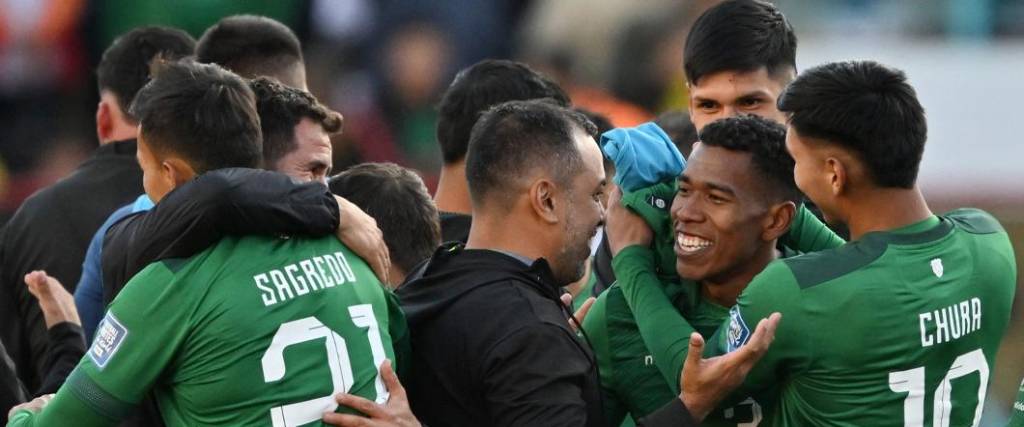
column 383, row 64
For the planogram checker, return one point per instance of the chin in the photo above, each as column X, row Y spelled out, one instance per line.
column 691, row 272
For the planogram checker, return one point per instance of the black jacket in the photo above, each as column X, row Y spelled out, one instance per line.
column 455, row 227
column 491, row 345
column 66, row 348
column 51, row 231
column 194, row 216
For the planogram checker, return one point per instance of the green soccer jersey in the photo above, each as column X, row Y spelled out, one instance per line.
column 630, row 381
column 899, row 327
column 1017, row 416
column 253, row 331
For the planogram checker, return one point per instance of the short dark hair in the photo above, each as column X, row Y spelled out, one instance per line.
column 124, row 67
column 397, row 198
column 867, row 108
column 281, row 108
column 739, row 35
column 251, row 46
column 516, row 136
column 679, row 128
column 202, row 113
column 765, row 140
column 479, row 87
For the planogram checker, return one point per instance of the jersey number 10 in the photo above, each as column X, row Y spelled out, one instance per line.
column 911, row 382
column 309, row 329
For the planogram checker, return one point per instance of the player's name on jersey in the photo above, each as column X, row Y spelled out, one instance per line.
column 302, row 278
column 950, row 323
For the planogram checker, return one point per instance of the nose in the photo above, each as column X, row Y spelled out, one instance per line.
column 686, row 210
column 727, row 111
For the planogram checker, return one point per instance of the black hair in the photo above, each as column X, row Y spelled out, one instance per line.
column 765, row 140
column 513, row 137
column 479, row 87
column 679, row 128
column 281, row 108
column 202, row 113
column 124, row 67
column 739, row 35
column 398, row 200
column 251, row 46
column 867, row 108
column 603, row 125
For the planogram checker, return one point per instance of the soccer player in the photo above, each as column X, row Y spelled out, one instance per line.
column 398, row 200
column 51, row 230
column 738, row 191
column 474, row 90
column 254, row 46
column 253, row 331
column 902, row 324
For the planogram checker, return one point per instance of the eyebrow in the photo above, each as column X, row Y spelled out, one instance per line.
column 751, row 94
column 714, row 186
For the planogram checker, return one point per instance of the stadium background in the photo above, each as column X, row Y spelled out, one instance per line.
column 383, row 63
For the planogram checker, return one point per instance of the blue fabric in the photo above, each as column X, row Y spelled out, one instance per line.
column 643, row 156
column 89, row 292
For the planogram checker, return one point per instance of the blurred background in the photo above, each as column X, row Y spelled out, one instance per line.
column 384, row 63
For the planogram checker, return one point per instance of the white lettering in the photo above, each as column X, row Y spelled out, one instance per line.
column 297, row 281
column 926, row 339
column 315, row 282
column 950, row 323
column 345, row 268
column 281, row 284
column 976, row 313
column 267, row 293
column 941, row 327
column 319, row 262
column 335, row 268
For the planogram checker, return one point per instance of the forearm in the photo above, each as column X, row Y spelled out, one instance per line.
column 673, row 414
column 664, row 330
column 64, row 407
column 67, row 346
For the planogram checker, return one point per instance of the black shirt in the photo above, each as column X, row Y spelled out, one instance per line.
column 66, row 348
column 491, row 345
column 455, row 227
column 51, row 231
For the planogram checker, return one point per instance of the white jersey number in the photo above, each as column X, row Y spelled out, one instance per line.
column 310, row 329
column 911, row 382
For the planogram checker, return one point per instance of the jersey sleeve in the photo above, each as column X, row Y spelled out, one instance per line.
column 808, row 234
column 665, row 332
column 136, row 340
column 773, row 290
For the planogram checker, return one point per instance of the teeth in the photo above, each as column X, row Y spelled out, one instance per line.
column 691, row 243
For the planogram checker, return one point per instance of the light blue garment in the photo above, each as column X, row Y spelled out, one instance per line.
column 89, row 292
column 643, row 156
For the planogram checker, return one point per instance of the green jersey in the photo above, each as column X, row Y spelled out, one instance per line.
column 1017, row 416
column 630, row 381
column 900, row 325
column 253, row 331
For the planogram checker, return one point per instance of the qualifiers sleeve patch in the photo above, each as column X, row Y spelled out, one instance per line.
column 739, row 333
column 109, row 337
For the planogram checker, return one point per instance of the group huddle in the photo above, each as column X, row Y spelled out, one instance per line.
column 773, row 264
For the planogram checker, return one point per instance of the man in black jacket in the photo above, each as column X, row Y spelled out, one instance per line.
column 52, row 228
column 490, row 338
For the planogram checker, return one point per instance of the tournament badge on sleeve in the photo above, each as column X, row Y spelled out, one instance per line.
column 109, row 336
column 739, row 333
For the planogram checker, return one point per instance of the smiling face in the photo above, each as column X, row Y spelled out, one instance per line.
column 583, row 211
column 731, row 93
column 719, row 214
column 311, row 158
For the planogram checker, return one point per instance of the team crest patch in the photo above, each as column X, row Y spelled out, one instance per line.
column 657, row 202
column 109, row 336
column 739, row 333
column 937, row 267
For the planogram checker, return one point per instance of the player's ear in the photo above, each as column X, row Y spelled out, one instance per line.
column 176, row 171
column 542, row 200
column 778, row 220
column 104, row 121
column 837, row 174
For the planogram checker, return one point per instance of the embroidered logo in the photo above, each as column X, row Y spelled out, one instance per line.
column 937, row 267
column 739, row 333
column 109, row 336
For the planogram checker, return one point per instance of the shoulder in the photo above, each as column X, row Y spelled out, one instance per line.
column 815, row 268
column 974, row 221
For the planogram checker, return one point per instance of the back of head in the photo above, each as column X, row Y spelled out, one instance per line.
column 124, row 67
column 866, row 108
column 739, row 35
column 254, row 46
column 398, row 200
column 201, row 113
column 281, row 108
column 479, row 87
column 679, row 127
column 514, row 138
column 765, row 140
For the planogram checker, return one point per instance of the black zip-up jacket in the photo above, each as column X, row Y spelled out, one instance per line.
column 51, row 231
column 491, row 345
